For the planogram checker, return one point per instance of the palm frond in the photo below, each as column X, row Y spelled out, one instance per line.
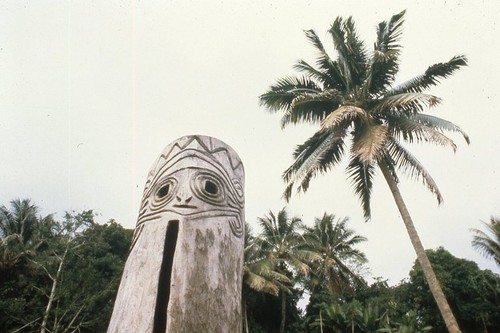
column 413, row 128
column 311, row 72
column 409, row 165
column 439, row 124
column 319, row 153
column 389, row 33
column 343, row 114
column 335, row 242
column 326, row 65
column 300, row 266
column 407, row 102
column 280, row 96
column 326, row 78
column 351, row 52
column 488, row 243
column 265, row 279
column 432, row 76
column 369, row 142
column 343, row 273
column 385, row 65
column 311, row 107
column 361, row 175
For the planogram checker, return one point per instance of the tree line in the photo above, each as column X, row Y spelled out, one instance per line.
column 58, row 275
column 63, row 275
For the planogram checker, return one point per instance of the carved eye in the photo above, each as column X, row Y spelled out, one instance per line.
column 165, row 190
column 209, row 188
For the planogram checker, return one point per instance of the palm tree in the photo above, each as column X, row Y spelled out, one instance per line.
column 335, row 243
column 488, row 245
column 18, row 225
column 362, row 113
column 259, row 273
column 281, row 242
column 20, row 219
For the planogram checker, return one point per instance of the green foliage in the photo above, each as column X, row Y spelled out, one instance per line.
column 91, row 256
column 488, row 243
column 69, row 277
column 376, row 308
column 335, row 244
column 287, row 257
column 409, row 323
column 19, row 236
column 473, row 294
column 281, row 248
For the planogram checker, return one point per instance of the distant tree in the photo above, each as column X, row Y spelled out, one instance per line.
column 335, row 243
column 69, row 239
column 363, row 113
column 18, row 228
column 393, row 299
column 68, row 283
column 260, row 271
column 93, row 273
column 261, row 275
column 473, row 294
column 281, row 241
column 488, row 243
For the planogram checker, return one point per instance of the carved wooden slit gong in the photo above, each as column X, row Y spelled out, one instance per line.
column 184, row 270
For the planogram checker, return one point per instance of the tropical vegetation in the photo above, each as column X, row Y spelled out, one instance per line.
column 364, row 115
column 299, row 277
column 58, row 275
column 488, row 242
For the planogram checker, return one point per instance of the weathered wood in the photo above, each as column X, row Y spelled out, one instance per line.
column 185, row 266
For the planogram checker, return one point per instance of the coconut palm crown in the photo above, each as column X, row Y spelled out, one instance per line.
column 336, row 243
column 360, row 110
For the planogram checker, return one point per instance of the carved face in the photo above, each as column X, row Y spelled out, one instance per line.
column 188, row 238
column 189, row 191
column 195, row 177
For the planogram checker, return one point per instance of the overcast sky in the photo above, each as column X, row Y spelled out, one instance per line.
column 92, row 91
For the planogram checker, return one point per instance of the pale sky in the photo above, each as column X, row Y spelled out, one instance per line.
column 92, row 91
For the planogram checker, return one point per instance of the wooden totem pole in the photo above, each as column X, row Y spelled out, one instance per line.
column 184, row 270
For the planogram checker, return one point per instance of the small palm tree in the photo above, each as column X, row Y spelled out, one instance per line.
column 335, row 243
column 281, row 242
column 362, row 113
column 259, row 273
column 20, row 219
column 18, row 226
column 488, row 243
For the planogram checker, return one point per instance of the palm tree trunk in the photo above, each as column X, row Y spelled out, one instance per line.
column 320, row 322
column 429, row 274
column 283, row 311
column 244, row 312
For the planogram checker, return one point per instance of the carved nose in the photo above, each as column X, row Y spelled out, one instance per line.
column 183, row 198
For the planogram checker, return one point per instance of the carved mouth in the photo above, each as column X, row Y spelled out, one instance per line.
column 185, row 206
column 165, row 276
